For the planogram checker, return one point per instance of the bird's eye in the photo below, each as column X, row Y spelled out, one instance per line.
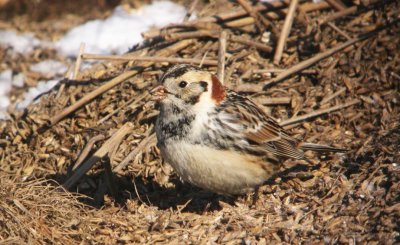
column 183, row 84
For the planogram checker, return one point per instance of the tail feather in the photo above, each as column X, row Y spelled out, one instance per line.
column 320, row 148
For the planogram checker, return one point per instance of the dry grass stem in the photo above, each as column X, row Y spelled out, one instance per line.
column 221, row 56
column 285, row 31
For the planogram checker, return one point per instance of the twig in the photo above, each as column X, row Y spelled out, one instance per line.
column 318, row 113
column 221, row 56
column 146, row 141
column 133, row 100
column 338, row 30
column 285, row 31
column 338, row 15
column 191, row 10
column 67, row 76
column 278, row 70
column 90, row 96
column 309, row 62
column 78, row 61
column 332, row 96
column 273, row 101
column 147, row 58
column 87, row 150
column 114, row 82
column 336, row 4
column 99, row 154
column 189, row 35
column 249, row 9
column 251, row 43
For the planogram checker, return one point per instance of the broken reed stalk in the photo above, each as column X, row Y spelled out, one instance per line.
column 338, row 30
column 114, row 82
column 338, row 15
column 336, row 4
column 251, row 43
column 221, row 56
column 78, row 61
column 278, row 70
column 285, row 31
column 273, row 101
column 319, row 112
column 249, row 9
column 147, row 58
column 332, row 96
column 99, row 154
column 85, row 152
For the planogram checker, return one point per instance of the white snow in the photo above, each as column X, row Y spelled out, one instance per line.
column 49, row 68
column 120, row 31
column 18, row 80
column 32, row 93
column 5, row 87
column 115, row 34
column 20, row 43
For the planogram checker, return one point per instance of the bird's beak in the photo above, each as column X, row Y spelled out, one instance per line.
column 158, row 93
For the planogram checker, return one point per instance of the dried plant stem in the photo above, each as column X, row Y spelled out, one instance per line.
column 221, row 56
column 146, row 58
column 318, row 113
column 98, row 155
column 285, row 31
column 338, row 30
column 90, row 96
column 114, row 82
column 78, row 61
column 338, row 15
column 278, row 70
column 274, row 101
column 336, row 4
column 251, row 43
column 146, row 141
column 87, row 149
column 332, row 96
column 307, row 63
column 249, row 9
column 133, row 100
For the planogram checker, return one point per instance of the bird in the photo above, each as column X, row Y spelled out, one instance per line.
column 217, row 139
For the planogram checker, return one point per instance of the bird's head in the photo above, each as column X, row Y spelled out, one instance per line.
column 187, row 86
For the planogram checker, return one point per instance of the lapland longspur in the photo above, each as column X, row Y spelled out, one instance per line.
column 217, row 139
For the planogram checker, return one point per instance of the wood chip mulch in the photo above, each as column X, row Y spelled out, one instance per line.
column 334, row 79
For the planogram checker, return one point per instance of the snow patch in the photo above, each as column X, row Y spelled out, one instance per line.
column 19, row 43
column 5, row 87
column 121, row 30
column 50, row 68
column 34, row 92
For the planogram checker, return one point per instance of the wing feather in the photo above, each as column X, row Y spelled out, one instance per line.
column 259, row 129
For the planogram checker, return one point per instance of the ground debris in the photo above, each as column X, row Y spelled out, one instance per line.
column 352, row 198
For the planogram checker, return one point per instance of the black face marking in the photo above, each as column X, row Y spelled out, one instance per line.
column 204, row 85
column 178, row 70
column 194, row 99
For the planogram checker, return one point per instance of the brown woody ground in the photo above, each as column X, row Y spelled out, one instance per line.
column 351, row 198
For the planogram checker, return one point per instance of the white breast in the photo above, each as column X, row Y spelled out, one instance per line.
column 225, row 172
